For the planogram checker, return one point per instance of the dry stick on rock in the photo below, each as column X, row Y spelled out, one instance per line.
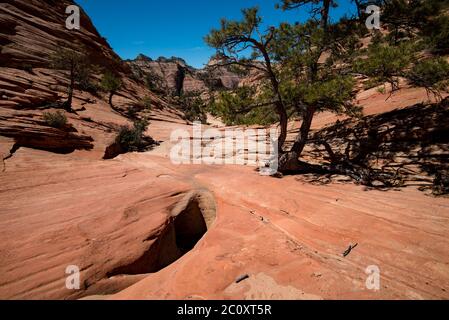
column 242, row 278
column 351, row 247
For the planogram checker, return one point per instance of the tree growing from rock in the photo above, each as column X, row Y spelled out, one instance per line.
column 288, row 57
column 111, row 84
column 77, row 66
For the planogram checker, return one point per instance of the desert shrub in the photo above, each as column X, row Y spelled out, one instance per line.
column 155, row 83
column 431, row 74
column 372, row 83
column 55, row 119
column 193, row 107
column 88, row 85
column 133, row 111
column 381, row 90
column 132, row 139
column 146, row 103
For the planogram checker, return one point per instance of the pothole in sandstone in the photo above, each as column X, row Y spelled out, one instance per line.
column 189, row 222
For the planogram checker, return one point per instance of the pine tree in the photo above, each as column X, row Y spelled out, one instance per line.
column 110, row 83
column 76, row 64
column 294, row 83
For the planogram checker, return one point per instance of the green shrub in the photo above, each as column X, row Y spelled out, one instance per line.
column 155, row 83
column 146, row 103
column 430, row 74
column 193, row 107
column 110, row 82
column 385, row 62
column 55, row 119
column 381, row 90
column 372, row 83
column 132, row 139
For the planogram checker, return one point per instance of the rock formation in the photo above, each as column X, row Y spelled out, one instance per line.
column 30, row 32
column 140, row 227
column 175, row 76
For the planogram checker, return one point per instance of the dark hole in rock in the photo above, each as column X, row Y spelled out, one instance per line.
column 188, row 224
column 190, row 227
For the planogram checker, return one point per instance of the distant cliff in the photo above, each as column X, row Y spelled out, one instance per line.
column 174, row 76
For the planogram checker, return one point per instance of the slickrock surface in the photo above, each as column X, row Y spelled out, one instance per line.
column 58, row 211
column 140, row 227
column 287, row 235
column 30, row 31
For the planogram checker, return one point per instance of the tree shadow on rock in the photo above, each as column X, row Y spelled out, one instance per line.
column 405, row 147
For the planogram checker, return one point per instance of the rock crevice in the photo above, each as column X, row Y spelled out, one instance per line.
column 189, row 221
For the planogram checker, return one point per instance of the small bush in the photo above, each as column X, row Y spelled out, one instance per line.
column 90, row 87
column 146, row 103
column 132, row 111
column 132, row 139
column 55, row 119
column 193, row 107
column 155, row 83
column 372, row 83
column 430, row 74
column 381, row 90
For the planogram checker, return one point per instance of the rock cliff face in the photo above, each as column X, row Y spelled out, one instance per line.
column 30, row 32
column 174, row 75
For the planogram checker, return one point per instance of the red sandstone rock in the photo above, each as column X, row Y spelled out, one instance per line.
column 117, row 220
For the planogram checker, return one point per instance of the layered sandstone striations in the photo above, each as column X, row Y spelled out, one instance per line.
column 30, row 32
column 141, row 227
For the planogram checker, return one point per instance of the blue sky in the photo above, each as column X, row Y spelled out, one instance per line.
column 176, row 27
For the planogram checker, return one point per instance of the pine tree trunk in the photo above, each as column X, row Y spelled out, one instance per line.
column 325, row 14
column 68, row 104
column 283, row 121
column 359, row 9
column 110, row 99
column 289, row 162
column 303, row 135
